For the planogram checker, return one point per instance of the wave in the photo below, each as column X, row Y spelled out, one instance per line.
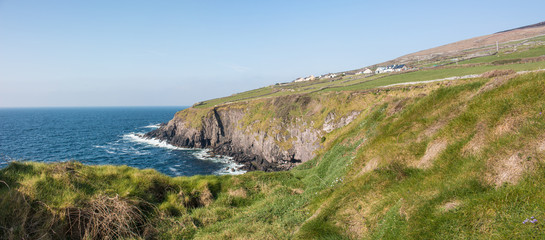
column 154, row 126
column 173, row 170
column 230, row 166
column 231, row 169
column 118, row 149
column 139, row 138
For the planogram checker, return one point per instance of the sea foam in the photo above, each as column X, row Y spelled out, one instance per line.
column 139, row 138
column 154, row 126
column 230, row 166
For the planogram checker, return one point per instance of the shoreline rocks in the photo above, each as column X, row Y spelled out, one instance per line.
column 220, row 132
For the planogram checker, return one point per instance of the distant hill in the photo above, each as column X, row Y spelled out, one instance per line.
column 474, row 44
column 443, row 150
column 528, row 26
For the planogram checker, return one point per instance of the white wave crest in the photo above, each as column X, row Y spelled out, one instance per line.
column 231, row 169
column 230, row 166
column 139, row 138
column 153, row 126
column 119, row 149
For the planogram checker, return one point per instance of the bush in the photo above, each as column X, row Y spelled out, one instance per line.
column 497, row 73
column 506, row 61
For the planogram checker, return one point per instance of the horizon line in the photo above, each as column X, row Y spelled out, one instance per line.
column 116, row 106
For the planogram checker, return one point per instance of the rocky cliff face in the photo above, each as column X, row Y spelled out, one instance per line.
column 279, row 144
column 222, row 132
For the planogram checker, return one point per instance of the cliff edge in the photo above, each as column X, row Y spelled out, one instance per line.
column 267, row 134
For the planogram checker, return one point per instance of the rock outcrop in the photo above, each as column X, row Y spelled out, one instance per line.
column 226, row 130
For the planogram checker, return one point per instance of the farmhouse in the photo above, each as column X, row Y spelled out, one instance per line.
column 366, row 71
column 329, row 75
column 399, row 68
column 380, row 70
column 309, row 78
column 391, row 68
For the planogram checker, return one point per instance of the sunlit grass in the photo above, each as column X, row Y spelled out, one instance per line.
column 339, row 194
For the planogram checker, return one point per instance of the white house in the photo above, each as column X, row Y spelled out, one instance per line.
column 329, row 75
column 309, row 78
column 367, row 71
column 380, row 70
column 391, row 68
column 399, row 68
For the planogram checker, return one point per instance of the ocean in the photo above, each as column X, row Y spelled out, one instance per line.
column 101, row 135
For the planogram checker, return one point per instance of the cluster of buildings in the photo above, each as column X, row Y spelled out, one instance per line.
column 311, row 77
column 329, row 75
column 304, row 79
column 391, row 68
column 367, row 71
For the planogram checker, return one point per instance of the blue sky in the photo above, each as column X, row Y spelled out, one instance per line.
column 152, row 53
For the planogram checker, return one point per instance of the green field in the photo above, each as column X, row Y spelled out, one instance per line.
column 426, row 75
column 370, row 181
column 524, row 53
column 460, row 159
column 359, row 82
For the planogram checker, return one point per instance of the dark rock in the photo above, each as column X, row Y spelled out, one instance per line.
column 220, row 130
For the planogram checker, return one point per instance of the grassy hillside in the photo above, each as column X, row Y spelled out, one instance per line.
column 444, row 160
column 521, row 55
column 448, row 160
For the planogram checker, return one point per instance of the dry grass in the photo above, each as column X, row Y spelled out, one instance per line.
column 498, row 73
column 206, row 197
column 541, row 146
column 396, row 106
column 29, row 220
column 370, row 165
column 509, row 125
column 241, row 193
column 107, row 218
column 500, row 77
column 450, row 205
column 434, row 128
column 433, row 150
column 353, row 222
column 197, row 198
column 297, row 191
column 507, row 169
column 454, row 49
column 475, row 145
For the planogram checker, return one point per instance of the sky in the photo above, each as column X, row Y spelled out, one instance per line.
column 175, row 53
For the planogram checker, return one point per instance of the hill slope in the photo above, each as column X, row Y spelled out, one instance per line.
column 443, row 160
column 280, row 126
column 451, row 159
column 477, row 44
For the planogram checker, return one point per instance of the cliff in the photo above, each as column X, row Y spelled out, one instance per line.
column 269, row 134
column 453, row 159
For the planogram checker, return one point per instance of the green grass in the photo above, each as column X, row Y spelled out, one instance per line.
column 525, row 53
column 433, row 74
column 351, row 83
column 329, row 197
column 360, row 82
column 237, row 97
column 367, row 182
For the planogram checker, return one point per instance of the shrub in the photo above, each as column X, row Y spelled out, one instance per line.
column 497, row 73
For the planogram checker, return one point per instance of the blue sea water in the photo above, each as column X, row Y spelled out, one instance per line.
column 106, row 135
